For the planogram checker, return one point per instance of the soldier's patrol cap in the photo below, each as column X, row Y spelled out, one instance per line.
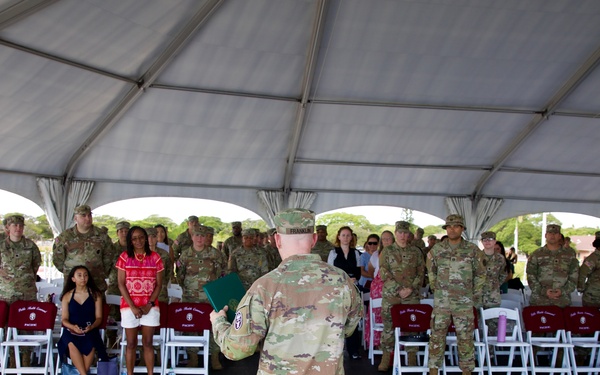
column 454, row 220
column 152, row 231
column 210, row 230
column 249, row 232
column 321, row 227
column 488, row 234
column 104, row 229
column 192, row 219
column 84, row 209
column 420, row 230
column 295, row 221
column 14, row 219
column 552, row 228
column 597, row 234
column 403, row 226
column 271, row 231
column 236, row 224
column 124, row 225
column 199, row 230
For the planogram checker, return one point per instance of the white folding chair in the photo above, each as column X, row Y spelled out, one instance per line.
column 548, row 325
column 36, row 319
column 513, row 297
column 361, row 325
column 50, row 294
column 43, row 284
column 374, row 327
column 583, row 331
column 113, row 325
column 3, row 322
column 175, row 293
column 187, row 317
column 59, row 281
column 427, row 301
column 451, row 342
column 411, row 318
column 513, row 342
column 576, row 299
column 158, row 340
column 510, row 305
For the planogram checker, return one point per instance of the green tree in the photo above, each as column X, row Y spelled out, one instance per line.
column 529, row 231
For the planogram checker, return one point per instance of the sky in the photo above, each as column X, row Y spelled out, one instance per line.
column 178, row 209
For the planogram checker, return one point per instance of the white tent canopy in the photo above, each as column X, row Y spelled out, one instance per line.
column 319, row 103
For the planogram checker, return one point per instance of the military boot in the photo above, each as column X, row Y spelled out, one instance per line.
column 433, row 371
column 192, row 359
column 384, row 365
column 214, row 361
column 412, row 359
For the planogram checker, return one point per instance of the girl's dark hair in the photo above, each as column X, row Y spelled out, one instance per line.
column 503, row 252
column 130, row 250
column 70, row 284
column 337, row 236
column 373, row 235
column 596, row 243
column 166, row 241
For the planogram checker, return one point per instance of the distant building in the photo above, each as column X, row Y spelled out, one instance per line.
column 583, row 245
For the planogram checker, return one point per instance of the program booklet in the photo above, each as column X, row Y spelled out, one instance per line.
column 225, row 291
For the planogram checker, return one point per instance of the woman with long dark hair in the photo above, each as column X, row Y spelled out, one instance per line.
column 510, row 268
column 81, row 317
column 346, row 257
column 140, row 272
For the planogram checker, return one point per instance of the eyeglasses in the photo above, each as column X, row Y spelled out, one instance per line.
column 373, row 243
column 488, row 239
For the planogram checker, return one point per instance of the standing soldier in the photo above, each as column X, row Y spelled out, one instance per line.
column 120, row 245
column 19, row 262
column 271, row 248
column 301, row 311
column 234, row 241
column 322, row 247
column 552, row 271
column 84, row 244
column 402, row 268
column 418, row 240
column 495, row 271
column 589, row 276
column 184, row 239
column 456, row 275
column 200, row 264
column 248, row 261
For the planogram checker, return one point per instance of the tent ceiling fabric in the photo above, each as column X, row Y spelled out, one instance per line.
column 399, row 103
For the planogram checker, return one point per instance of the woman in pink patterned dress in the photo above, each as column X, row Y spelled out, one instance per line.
column 140, row 275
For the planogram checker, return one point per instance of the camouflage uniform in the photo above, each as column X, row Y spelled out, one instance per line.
column 457, row 276
column 398, row 268
column 113, row 283
column 19, row 263
column 92, row 249
column 198, row 268
column 589, row 279
column 182, row 241
column 495, row 274
column 231, row 244
column 323, row 248
column 273, row 256
column 249, row 263
column 552, row 269
column 303, row 310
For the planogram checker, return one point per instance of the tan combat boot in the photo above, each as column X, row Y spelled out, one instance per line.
column 433, row 371
column 192, row 359
column 384, row 365
column 214, row 361
column 412, row 359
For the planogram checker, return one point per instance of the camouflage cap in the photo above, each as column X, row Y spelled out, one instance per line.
column 124, row 225
column 84, row 209
column 295, row 221
column 199, row 230
column 420, row 230
column 236, row 224
column 454, row 220
column 256, row 231
column 249, row 232
column 152, row 231
column 15, row 219
column 403, row 226
column 597, row 234
column 552, row 228
column 432, row 237
column 210, row 230
column 271, row 231
column 488, row 234
column 321, row 227
column 192, row 219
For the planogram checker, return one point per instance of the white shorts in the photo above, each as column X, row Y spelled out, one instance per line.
column 128, row 320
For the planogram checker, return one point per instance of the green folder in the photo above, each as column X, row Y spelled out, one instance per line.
column 225, row 291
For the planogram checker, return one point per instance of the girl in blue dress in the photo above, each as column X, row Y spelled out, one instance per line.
column 81, row 317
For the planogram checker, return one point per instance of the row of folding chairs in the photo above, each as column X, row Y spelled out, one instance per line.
column 549, row 331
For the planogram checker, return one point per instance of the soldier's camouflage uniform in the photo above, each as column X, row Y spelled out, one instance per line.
column 19, row 263
column 163, row 297
column 93, row 249
column 548, row 269
column 181, row 242
column 249, row 264
column 456, row 275
column 495, row 275
column 398, row 268
column 589, row 279
column 272, row 256
column 322, row 248
column 303, row 310
column 113, row 282
column 231, row 244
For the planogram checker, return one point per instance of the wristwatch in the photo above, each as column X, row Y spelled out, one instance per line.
column 151, row 303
